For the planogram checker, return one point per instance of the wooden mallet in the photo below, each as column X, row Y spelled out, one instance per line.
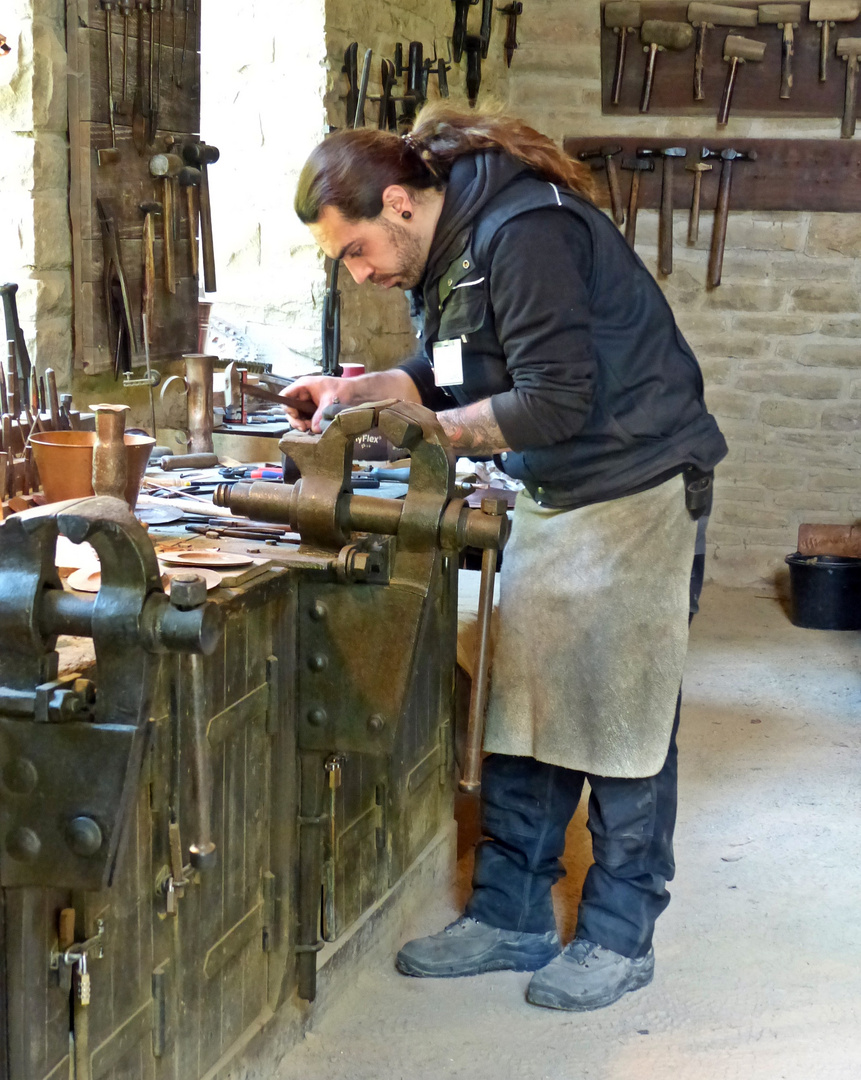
column 658, row 35
column 623, row 18
column 786, row 17
column 826, row 14
column 849, row 49
column 736, row 50
column 705, row 17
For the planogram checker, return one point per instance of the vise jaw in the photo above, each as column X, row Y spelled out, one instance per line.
column 70, row 754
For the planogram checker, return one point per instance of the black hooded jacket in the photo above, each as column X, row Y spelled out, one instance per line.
column 594, row 388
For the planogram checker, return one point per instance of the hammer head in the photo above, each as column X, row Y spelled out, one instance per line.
column 729, row 154
column 622, row 15
column 162, row 165
column 720, row 15
column 698, row 166
column 673, row 151
column 675, row 36
column 780, row 14
column 742, row 48
column 188, row 177
column 151, row 208
column 200, row 154
column 848, row 47
column 638, row 164
column 834, row 10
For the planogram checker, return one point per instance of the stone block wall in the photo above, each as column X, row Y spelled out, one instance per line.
column 267, row 101
column 36, row 247
column 779, row 341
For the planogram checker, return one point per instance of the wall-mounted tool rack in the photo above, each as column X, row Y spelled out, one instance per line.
column 162, row 70
column 758, row 84
column 788, row 174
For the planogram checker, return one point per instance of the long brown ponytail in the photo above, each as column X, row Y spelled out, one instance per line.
column 350, row 170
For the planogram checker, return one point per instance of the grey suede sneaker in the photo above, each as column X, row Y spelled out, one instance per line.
column 469, row 947
column 588, row 976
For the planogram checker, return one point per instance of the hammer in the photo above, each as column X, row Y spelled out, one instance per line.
column 736, row 50
column 849, row 49
column 635, row 165
column 786, row 17
column 826, row 13
column 697, row 168
column 165, row 167
column 727, row 157
column 149, row 209
column 665, row 217
column 705, row 17
column 201, row 157
column 622, row 19
column 188, row 179
column 607, row 153
column 658, row 36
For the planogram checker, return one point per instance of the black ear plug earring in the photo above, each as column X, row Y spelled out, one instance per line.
column 406, row 215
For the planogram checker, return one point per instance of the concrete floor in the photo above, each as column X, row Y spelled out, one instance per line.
column 758, row 970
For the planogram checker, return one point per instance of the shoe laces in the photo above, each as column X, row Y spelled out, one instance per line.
column 462, row 923
column 580, row 950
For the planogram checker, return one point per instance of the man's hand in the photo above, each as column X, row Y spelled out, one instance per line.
column 306, row 398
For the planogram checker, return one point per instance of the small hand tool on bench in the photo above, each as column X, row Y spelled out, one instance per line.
column 623, row 18
column 697, row 168
column 636, row 166
column 786, row 17
column 736, row 50
column 660, row 36
column 826, row 14
column 849, row 49
column 727, row 158
column 604, row 155
column 705, row 17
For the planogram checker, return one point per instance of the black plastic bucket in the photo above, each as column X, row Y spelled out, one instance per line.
column 826, row 591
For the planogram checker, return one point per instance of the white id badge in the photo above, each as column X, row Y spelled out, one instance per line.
column 447, row 363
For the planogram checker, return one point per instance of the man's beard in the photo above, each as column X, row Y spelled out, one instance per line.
column 411, row 261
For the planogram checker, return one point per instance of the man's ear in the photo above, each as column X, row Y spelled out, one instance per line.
column 397, row 199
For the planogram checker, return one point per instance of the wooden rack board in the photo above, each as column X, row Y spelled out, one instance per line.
column 757, row 86
column 788, row 174
column 126, row 183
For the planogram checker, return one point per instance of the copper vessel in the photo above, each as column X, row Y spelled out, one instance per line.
column 65, row 463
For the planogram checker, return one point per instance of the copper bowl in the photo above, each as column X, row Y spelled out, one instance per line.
column 65, row 463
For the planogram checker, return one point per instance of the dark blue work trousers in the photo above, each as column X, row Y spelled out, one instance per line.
column 526, row 806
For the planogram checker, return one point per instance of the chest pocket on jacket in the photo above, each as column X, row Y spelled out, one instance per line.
column 464, row 310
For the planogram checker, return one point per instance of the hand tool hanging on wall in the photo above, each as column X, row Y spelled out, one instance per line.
column 125, row 106
column 472, row 46
column 458, row 34
column 387, row 119
column 622, row 18
column 201, row 156
column 166, row 167
column 736, row 51
column 117, row 300
column 727, row 158
column 190, row 8
column 658, row 36
column 156, row 7
column 786, row 17
column 140, row 102
column 697, row 168
column 111, row 155
column 351, row 70
column 849, row 49
column 636, row 166
column 705, row 17
column 149, row 210
column 440, row 68
column 511, row 10
column 359, row 116
column 826, row 14
column 15, row 334
column 188, row 179
column 332, row 323
column 416, row 78
column 603, row 157
column 665, row 217
column 486, row 20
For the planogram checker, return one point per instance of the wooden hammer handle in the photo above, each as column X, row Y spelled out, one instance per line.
column 621, row 53
column 633, row 209
column 720, row 224
column 847, row 128
column 726, row 100
column 786, row 61
column 665, row 224
column 646, row 99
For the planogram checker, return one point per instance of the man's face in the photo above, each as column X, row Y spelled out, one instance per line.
column 379, row 250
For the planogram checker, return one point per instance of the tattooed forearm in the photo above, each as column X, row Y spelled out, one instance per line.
column 473, row 427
